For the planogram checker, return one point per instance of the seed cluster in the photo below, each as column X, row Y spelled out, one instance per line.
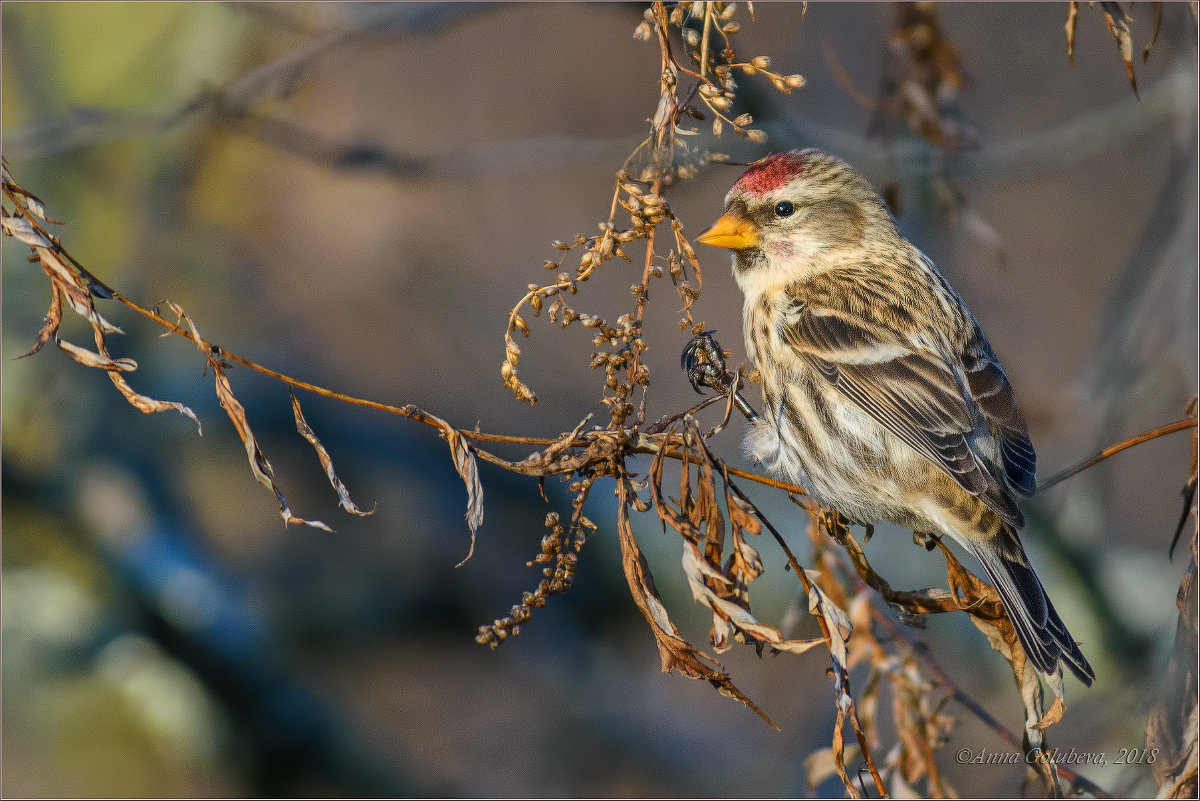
column 704, row 34
column 561, row 545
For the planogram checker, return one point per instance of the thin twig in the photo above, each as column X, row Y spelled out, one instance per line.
column 1161, row 431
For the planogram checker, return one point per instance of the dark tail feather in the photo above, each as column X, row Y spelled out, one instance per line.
column 1039, row 628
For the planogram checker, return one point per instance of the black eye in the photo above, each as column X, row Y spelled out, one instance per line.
column 784, row 208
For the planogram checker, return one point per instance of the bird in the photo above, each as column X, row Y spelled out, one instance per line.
column 882, row 397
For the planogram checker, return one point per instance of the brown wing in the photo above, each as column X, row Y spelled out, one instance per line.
column 993, row 396
column 929, row 403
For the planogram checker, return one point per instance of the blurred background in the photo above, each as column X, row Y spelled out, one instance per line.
column 356, row 195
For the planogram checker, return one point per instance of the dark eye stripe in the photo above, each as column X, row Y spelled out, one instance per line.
column 784, row 208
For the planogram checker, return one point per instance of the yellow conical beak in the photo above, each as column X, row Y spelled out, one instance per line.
column 732, row 231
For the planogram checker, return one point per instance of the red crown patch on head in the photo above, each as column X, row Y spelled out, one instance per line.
column 770, row 174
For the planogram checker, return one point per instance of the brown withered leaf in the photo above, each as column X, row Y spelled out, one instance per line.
column 918, row 725
column 259, row 466
column 1072, row 19
column 103, row 360
column 50, row 326
column 1157, row 10
column 1118, row 27
column 90, row 358
column 305, row 430
column 148, row 405
column 821, row 764
column 731, row 618
column 468, row 470
column 74, row 290
column 675, row 652
column 840, row 630
column 1053, row 714
column 863, row 648
column 142, row 403
column 20, row 229
column 720, row 583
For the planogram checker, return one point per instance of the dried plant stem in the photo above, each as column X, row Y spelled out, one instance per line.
column 1185, row 424
column 412, row 412
column 640, row 313
column 971, row 704
column 794, row 564
column 708, row 23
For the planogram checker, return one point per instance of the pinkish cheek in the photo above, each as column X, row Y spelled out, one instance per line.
column 781, row 250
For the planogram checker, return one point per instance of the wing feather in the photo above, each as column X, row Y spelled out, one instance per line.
column 965, row 420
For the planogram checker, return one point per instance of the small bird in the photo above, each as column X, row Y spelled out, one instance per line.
column 881, row 395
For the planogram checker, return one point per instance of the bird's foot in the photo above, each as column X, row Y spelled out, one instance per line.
column 926, row 539
column 703, row 360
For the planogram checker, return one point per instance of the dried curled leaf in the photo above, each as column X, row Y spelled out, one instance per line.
column 675, row 651
column 51, row 323
column 259, row 466
column 822, row 764
column 305, row 430
column 78, row 291
column 1072, row 21
column 74, row 289
column 729, row 618
column 148, row 405
column 468, row 470
column 1118, row 27
column 20, row 229
column 720, row 583
column 90, row 358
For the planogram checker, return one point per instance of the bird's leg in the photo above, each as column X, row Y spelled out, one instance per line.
column 704, row 362
column 834, row 523
column 927, row 539
column 868, row 532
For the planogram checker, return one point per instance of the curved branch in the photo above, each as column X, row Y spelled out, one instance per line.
column 1186, row 424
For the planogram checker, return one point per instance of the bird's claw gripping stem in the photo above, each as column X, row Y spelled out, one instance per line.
column 704, row 362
